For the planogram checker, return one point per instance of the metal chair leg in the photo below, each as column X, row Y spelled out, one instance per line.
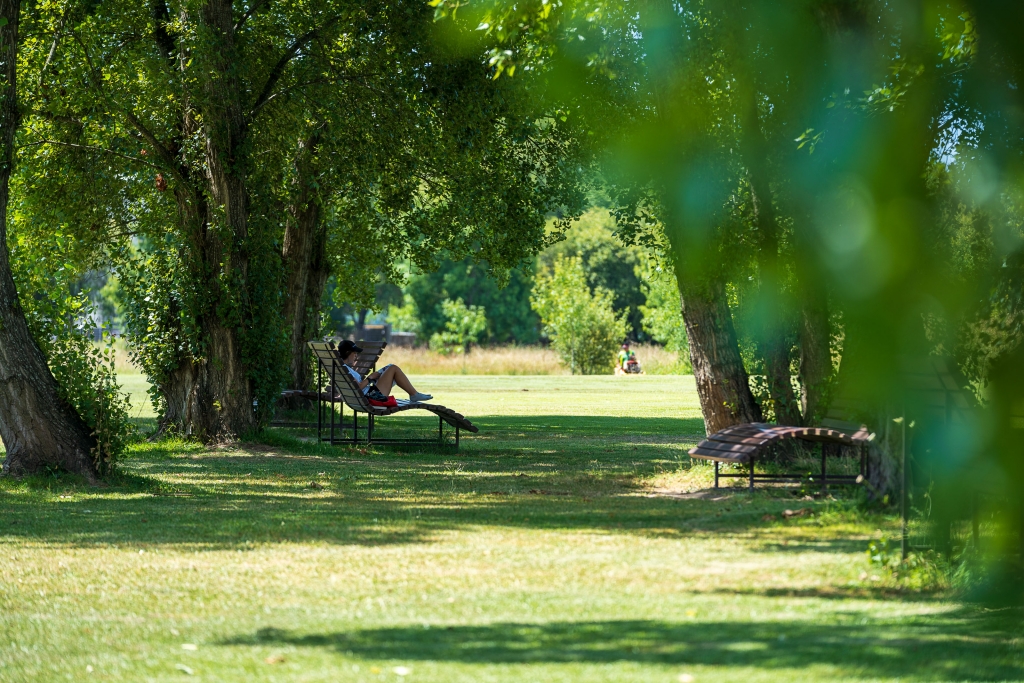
column 332, row 402
column 752, row 474
column 824, row 471
column 716, row 474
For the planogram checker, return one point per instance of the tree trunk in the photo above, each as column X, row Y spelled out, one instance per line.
column 722, row 385
column 773, row 343
column 304, row 253
column 815, row 354
column 39, row 428
column 222, row 384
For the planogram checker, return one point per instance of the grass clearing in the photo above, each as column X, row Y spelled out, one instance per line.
column 571, row 540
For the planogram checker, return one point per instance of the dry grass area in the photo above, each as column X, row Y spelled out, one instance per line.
column 495, row 360
column 515, row 360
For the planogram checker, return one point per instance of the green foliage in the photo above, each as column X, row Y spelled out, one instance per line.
column 49, row 258
column 464, row 325
column 88, row 381
column 583, row 326
column 609, row 264
column 510, row 319
column 662, row 314
column 404, row 318
column 926, row 570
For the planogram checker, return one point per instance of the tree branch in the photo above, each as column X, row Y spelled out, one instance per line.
column 164, row 153
column 256, row 5
column 321, row 81
column 278, row 71
column 95, row 149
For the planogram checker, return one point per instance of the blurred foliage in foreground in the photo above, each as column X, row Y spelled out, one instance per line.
column 849, row 172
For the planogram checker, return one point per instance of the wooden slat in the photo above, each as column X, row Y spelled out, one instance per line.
column 731, row 438
column 705, row 454
column 727, row 448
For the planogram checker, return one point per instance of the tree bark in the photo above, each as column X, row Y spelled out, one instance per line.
column 773, row 344
column 39, row 428
column 214, row 396
column 815, row 354
column 304, row 253
column 722, row 383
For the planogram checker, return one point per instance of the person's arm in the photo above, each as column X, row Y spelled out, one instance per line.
column 377, row 375
column 361, row 382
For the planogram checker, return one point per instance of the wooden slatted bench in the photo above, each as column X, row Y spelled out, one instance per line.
column 934, row 392
column 343, row 390
column 743, row 444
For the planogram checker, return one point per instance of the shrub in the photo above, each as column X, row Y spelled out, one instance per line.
column 663, row 315
column 87, row 379
column 581, row 324
column 404, row 318
column 463, row 326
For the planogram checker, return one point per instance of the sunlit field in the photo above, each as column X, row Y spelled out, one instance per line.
column 570, row 540
column 515, row 360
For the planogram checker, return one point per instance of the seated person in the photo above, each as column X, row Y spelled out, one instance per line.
column 384, row 379
column 625, row 356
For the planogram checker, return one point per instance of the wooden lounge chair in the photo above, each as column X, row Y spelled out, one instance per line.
column 365, row 363
column 343, row 390
column 744, row 444
column 938, row 394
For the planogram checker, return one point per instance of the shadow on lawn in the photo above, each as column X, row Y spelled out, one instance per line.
column 175, row 493
column 941, row 647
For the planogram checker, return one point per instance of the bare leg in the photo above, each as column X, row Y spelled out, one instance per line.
column 392, row 376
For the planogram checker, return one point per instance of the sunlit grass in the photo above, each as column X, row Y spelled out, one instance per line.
column 514, row 360
column 571, row 540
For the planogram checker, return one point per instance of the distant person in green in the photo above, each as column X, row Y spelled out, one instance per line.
column 625, row 356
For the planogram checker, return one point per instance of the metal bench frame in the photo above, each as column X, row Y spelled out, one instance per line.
column 744, row 444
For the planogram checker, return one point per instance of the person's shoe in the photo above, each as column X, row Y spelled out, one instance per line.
column 420, row 397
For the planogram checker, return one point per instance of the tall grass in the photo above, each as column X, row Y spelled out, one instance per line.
column 514, row 360
column 496, row 360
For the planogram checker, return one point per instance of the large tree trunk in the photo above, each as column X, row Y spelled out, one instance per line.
column 304, row 253
column 815, row 353
column 773, row 342
column 722, row 385
column 219, row 382
column 38, row 428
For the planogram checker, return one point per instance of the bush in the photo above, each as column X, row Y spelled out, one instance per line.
column 663, row 315
column 87, row 379
column 582, row 325
column 463, row 326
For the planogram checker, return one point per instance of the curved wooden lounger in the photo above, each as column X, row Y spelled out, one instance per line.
column 742, row 444
column 347, row 391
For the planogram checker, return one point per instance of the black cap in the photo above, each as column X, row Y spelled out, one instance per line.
column 346, row 347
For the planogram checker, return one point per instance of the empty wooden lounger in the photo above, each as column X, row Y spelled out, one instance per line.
column 743, row 444
column 935, row 391
column 343, row 390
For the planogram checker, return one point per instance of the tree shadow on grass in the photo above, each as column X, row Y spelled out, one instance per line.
column 966, row 646
column 182, row 493
column 515, row 428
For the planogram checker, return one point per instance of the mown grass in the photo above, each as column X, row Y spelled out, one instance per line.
column 571, row 540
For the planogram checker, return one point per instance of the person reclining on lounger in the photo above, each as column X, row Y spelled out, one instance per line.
column 381, row 381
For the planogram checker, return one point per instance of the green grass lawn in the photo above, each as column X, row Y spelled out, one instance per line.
column 571, row 540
